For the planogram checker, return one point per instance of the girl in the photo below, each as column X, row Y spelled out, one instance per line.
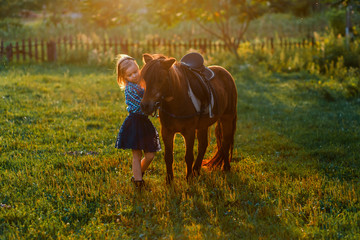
column 137, row 132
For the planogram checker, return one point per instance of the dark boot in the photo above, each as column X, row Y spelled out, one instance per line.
column 139, row 184
column 133, row 178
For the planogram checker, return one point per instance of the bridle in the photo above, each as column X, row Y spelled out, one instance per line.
column 156, row 108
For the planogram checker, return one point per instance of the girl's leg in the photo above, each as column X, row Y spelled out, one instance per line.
column 136, row 164
column 145, row 162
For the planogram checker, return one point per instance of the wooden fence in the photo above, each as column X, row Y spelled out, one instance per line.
column 33, row 50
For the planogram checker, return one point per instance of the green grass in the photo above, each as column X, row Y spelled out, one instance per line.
column 295, row 172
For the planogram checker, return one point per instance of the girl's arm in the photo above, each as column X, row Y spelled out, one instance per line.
column 132, row 99
column 131, row 95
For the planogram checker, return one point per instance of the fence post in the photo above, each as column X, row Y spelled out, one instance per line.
column 169, row 46
column 9, row 52
column 65, row 47
column 116, row 45
column 59, row 47
column 104, row 45
column 208, row 45
column 36, row 49
column 17, row 51
column 153, row 45
column 51, row 51
column 147, row 45
column 200, row 45
column 124, row 46
column 2, row 48
column 175, row 47
column 205, row 46
column 23, row 50
column 87, row 45
column 30, row 49
column 312, row 42
column 76, row 43
column 70, row 43
column 94, row 45
column 42, row 50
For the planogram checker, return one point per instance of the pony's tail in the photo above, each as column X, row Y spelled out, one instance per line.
column 225, row 134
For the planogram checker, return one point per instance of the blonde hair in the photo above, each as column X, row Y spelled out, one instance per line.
column 123, row 62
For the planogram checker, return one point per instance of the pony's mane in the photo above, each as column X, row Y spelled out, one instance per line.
column 151, row 70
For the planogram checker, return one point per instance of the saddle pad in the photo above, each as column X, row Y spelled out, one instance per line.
column 197, row 103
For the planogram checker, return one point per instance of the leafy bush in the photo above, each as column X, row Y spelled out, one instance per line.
column 75, row 56
column 10, row 27
column 337, row 19
column 334, row 47
column 99, row 58
column 3, row 62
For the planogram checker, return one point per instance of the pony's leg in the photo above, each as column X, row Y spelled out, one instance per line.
column 168, row 139
column 189, row 136
column 228, row 125
column 202, row 136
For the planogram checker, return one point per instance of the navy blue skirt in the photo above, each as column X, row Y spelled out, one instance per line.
column 138, row 133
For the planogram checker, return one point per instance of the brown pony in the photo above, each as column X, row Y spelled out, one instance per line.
column 167, row 89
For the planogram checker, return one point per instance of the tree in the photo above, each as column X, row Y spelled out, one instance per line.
column 227, row 20
column 110, row 13
column 13, row 8
column 346, row 10
column 300, row 8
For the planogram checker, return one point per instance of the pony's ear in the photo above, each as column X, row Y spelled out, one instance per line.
column 147, row 58
column 168, row 63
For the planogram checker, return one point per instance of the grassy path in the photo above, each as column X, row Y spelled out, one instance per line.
column 295, row 172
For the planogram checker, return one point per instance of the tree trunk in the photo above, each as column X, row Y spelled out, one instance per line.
column 233, row 46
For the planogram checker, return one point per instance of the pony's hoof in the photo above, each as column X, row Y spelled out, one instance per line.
column 189, row 177
column 196, row 172
column 169, row 180
column 226, row 168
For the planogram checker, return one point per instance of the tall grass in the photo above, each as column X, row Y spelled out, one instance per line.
column 295, row 172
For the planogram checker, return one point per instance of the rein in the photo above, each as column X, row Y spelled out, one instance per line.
column 158, row 107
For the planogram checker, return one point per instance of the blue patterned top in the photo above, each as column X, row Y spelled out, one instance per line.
column 133, row 96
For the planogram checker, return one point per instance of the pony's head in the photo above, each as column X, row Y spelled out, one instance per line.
column 156, row 74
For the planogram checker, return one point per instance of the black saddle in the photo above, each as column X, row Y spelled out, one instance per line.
column 195, row 62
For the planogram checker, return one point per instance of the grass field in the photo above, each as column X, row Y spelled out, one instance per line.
column 295, row 172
